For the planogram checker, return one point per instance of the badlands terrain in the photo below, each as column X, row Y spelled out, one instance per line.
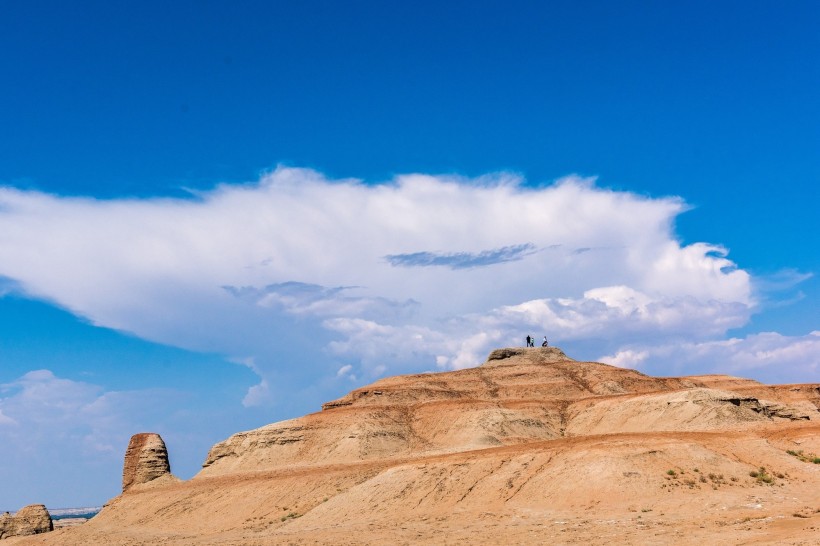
column 532, row 447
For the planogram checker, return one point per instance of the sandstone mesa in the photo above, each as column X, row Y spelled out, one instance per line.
column 531, row 447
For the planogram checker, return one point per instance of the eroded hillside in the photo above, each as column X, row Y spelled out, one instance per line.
column 530, row 447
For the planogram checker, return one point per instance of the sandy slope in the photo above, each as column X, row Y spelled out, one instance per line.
column 529, row 448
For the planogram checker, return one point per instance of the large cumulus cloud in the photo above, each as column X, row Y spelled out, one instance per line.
column 298, row 276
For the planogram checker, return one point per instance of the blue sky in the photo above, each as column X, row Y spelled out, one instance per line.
column 216, row 216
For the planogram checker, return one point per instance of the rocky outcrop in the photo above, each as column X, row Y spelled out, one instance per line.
column 146, row 459
column 30, row 520
column 541, row 355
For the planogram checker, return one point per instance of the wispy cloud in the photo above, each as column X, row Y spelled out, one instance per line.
column 300, row 298
column 462, row 260
column 780, row 288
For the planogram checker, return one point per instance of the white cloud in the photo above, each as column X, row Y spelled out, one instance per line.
column 618, row 314
column 63, row 441
column 297, row 270
column 625, row 358
column 622, row 312
column 258, row 395
column 42, row 399
column 346, row 372
column 44, row 407
column 769, row 356
column 6, row 420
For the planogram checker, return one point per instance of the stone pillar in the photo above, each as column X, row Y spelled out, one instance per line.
column 146, row 459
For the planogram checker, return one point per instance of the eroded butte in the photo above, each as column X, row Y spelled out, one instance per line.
column 532, row 447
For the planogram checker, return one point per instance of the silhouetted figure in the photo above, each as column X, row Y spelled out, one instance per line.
column 529, row 341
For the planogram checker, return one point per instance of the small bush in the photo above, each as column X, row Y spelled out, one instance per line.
column 810, row 458
column 292, row 515
column 671, row 472
column 762, row 476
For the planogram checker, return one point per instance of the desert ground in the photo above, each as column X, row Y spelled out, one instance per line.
column 532, row 447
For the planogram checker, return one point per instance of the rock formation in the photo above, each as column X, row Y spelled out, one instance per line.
column 519, row 395
column 532, row 447
column 146, row 459
column 30, row 520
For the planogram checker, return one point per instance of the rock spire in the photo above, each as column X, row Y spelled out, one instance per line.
column 146, row 459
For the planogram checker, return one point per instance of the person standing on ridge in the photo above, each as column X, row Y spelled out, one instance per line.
column 529, row 340
column 546, row 343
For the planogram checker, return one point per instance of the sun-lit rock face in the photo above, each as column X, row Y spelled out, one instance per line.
column 30, row 520
column 146, row 459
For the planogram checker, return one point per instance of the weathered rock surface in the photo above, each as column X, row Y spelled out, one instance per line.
column 30, row 520
column 146, row 459
column 530, row 448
